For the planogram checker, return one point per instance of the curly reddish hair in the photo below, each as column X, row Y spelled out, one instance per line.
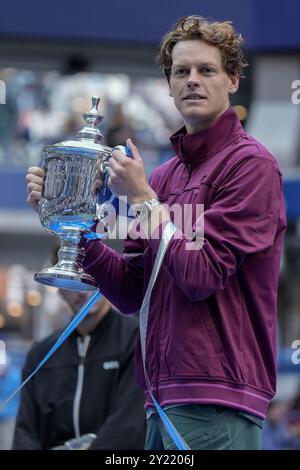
column 219, row 34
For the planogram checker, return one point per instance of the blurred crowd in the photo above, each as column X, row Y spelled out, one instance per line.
column 46, row 107
column 282, row 426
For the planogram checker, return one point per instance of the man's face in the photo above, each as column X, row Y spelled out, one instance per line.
column 75, row 300
column 199, row 84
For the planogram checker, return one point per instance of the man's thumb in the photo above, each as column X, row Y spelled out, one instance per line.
column 133, row 149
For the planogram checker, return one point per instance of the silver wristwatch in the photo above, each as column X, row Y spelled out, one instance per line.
column 142, row 211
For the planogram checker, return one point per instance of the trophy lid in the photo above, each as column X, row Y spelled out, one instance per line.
column 88, row 140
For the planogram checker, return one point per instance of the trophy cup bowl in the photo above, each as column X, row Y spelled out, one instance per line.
column 71, row 200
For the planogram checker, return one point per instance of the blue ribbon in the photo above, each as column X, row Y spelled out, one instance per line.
column 172, row 431
column 66, row 333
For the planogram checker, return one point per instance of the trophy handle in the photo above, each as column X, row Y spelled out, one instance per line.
column 125, row 149
column 103, row 208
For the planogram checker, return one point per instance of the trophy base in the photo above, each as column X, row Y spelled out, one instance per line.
column 75, row 281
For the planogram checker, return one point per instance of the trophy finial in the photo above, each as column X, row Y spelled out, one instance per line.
column 92, row 119
column 95, row 102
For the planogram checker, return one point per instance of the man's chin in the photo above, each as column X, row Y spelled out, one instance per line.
column 196, row 121
column 88, row 315
column 196, row 113
column 87, row 324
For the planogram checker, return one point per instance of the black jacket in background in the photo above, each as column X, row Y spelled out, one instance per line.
column 111, row 405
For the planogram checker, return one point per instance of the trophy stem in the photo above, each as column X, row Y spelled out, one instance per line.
column 70, row 256
column 68, row 272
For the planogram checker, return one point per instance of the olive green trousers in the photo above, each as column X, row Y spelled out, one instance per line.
column 206, row 427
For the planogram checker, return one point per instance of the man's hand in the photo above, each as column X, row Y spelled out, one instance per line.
column 127, row 176
column 34, row 180
column 80, row 443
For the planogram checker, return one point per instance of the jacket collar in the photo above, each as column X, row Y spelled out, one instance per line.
column 194, row 148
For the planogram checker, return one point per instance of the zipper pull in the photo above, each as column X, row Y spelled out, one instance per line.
column 82, row 346
column 189, row 170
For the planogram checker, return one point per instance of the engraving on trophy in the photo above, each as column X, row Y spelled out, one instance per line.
column 67, row 193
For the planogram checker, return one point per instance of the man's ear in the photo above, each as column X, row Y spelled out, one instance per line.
column 234, row 83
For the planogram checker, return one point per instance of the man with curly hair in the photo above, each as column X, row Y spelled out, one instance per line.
column 211, row 337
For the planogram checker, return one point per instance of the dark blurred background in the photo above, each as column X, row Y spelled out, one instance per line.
column 53, row 57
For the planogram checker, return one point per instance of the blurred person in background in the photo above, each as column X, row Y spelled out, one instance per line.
column 293, row 419
column 282, row 426
column 119, row 128
column 9, row 381
column 276, row 432
column 211, row 337
column 85, row 396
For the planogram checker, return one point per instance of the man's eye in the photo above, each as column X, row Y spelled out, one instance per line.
column 207, row 70
column 180, row 71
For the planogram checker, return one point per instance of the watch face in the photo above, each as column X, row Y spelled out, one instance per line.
column 141, row 211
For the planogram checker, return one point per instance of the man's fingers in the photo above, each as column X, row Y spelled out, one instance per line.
column 134, row 150
column 36, row 187
column 117, row 156
column 36, row 170
column 34, row 178
column 33, row 196
column 30, row 178
column 114, row 165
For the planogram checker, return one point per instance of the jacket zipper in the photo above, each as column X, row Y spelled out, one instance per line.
column 189, row 170
column 82, row 347
column 158, row 355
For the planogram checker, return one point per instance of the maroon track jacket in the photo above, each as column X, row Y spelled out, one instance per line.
column 212, row 320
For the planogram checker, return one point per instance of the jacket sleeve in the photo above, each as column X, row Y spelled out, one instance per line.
column 241, row 220
column 26, row 436
column 125, row 426
column 119, row 277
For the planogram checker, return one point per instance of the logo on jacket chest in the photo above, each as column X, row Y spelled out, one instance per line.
column 109, row 365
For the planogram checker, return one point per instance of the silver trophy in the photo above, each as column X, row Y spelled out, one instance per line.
column 73, row 196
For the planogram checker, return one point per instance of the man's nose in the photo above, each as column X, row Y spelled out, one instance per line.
column 193, row 78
